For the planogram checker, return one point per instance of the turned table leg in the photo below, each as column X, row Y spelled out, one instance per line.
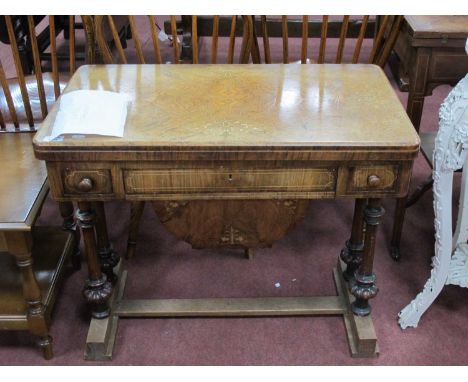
column 19, row 244
column 97, row 288
column 108, row 257
column 418, row 72
column 136, row 211
column 351, row 254
column 67, row 211
column 399, row 217
column 364, row 287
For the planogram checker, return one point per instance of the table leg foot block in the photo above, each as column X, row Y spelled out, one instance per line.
column 361, row 334
column 102, row 332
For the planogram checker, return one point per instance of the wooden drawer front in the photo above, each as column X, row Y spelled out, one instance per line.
column 213, row 180
column 449, row 66
column 97, row 181
column 368, row 179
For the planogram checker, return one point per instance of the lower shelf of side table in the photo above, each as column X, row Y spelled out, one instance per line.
column 51, row 250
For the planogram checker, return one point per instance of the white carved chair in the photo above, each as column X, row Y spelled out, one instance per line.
column 450, row 263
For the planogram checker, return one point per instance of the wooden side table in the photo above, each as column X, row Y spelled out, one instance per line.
column 430, row 51
column 32, row 259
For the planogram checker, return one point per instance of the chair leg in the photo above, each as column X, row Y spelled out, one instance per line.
column 19, row 244
column 420, row 190
column 399, row 218
column 249, row 253
column 136, row 210
column 45, row 344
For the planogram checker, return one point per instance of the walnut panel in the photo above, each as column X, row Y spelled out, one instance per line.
column 232, row 223
column 449, row 66
column 362, row 180
column 225, row 180
column 100, row 181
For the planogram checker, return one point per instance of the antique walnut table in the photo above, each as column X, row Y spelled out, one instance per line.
column 230, row 156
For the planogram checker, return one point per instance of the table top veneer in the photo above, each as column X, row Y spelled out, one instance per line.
column 248, row 107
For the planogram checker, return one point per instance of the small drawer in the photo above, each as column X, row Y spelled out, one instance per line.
column 226, row 181
column 449, row 66
column 96, row 181
column 360, row 180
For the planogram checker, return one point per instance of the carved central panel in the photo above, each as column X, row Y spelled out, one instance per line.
column 230, row 223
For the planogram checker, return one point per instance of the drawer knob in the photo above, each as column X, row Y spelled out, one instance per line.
column 373, row 180
column 85, row 185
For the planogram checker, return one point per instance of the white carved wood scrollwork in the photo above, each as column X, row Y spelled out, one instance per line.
column 450, row 262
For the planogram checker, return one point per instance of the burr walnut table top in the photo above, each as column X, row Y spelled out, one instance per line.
column 283, row 108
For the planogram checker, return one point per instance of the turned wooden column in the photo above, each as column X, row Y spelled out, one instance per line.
column 67, row 211
column 19, row 244
column 136, row 210
column 400, row 209
column 364, row 287
column 186, row 53
column 351, row 254
column 97, row 288
column 107, row 256
column 418, row 72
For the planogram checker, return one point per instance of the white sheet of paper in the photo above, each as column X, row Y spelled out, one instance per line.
column 91, row 112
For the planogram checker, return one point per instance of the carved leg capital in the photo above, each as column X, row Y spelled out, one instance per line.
column 372, row 214
column 85, row 218
column 364, row 289
column 97, row 293
column 351, row 255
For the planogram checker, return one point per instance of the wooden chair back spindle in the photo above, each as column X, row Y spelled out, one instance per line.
column 155, row 39
column 232, row 40
column 266, row 42
column 37, row 66
column 25, row 98
column 358, row 46
column 19, row 71
column 323, row 40
column 136, row 39
column 195, row 39
column 386, row 32
column 305, row 34
column 214, row 43
column 175, row 42
column 284, row 27
column 114, row 51
column 71, row 43
column 8, row 100
column 53, row 55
